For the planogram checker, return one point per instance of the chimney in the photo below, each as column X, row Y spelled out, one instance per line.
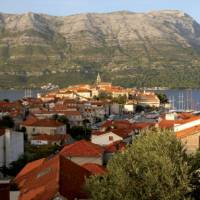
column 5, row 189
column 110, row 138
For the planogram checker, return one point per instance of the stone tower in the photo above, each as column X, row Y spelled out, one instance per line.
column 98, row 79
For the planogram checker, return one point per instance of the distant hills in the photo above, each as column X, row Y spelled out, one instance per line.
column 159, row 48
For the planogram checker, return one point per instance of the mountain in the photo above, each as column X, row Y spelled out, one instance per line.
column 160, row 48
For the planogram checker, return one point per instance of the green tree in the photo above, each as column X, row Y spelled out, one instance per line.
column 139, row 108
column 104, row 95
column 163, row 98
column 80, row 132
column 154, row 167
column 7, row 122
column 195, row 175
column 120, row 99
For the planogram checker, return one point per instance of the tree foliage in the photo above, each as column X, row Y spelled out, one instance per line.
column 7, row 122
column 80, row 132
column 194, row 161
column 121, row 99
column 163, row 98
column 154, row 167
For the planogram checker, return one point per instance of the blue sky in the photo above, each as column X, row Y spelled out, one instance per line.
column 67, row 7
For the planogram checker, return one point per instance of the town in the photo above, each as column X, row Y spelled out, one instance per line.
column 54, row 141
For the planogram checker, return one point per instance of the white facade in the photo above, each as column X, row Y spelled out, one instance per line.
column 105, row 139
column 32, row 130
column 129, row 108
column 39, row 142
column 11, row 146
column 69, row 95
column 95, row 92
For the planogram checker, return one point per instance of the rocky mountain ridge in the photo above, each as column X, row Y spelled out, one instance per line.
column 143, row 49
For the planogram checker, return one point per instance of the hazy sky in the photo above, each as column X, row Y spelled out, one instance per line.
column 67, row 7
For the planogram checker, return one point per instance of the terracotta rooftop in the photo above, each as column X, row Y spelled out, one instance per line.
column 30, row 120
column 116, row 146
column 29, row 167
column 82, row 148
column 42, row 123
column 183, row 119
column 186, row 120
column 142, row 125
column 53, row 176
column 124, row 133
column 95, row 169
column 187, row 132
column 166, row 123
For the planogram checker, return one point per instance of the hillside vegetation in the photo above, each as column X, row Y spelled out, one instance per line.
column 132, row 49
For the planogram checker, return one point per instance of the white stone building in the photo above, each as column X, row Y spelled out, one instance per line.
column 11, row 146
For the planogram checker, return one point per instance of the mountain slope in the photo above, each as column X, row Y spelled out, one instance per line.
column 145, row 49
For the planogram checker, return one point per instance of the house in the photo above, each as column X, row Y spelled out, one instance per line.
column 93, row 111
column 72, row 114
column 11, row 146
column 129, row 107
column 74, row 117
column 190, row 137
column 179, row 122
column 115, row 124
column 52, row 178
column 45, row 139
column 148, row 99
column 105, row 138
column 82, row 152
column 48, row 126
column 126, row 134
column 66, row 94
column 186, row 122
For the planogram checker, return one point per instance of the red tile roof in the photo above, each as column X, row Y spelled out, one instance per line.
column 29, row 167
column 166, row 123
column 187, row 132
column 30, row 120
column 124, row 133
column 116, row 123
column 74, row 113
column 95, row 169
column 82, row 148
column 142, row 125
column 56, row 175
column 185, row 115
column 43, row 123
column 186, row 120
column 116, row 146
